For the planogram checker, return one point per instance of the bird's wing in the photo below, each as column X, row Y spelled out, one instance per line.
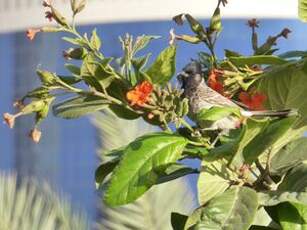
column 215, row 98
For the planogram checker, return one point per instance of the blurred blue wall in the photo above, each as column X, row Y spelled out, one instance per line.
column 66, row 155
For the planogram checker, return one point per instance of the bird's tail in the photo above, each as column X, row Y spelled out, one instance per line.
column 270, row 113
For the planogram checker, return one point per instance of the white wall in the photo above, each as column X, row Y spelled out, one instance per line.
column 20, row 14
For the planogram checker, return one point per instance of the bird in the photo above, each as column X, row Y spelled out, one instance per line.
column 201, row 96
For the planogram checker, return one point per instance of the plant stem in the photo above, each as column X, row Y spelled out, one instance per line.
column 186, row 124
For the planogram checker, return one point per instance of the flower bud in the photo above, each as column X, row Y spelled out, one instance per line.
column 32, row 107
column 35, row 135
column 47, row 78
column 50, row 29
column 285, row 33
column 77, row 53
column 57, row 16
column 77, row 6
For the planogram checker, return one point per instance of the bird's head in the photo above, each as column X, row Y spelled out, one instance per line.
column 191, row 75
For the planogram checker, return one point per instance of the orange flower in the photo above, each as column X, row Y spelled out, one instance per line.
column 253, row 101
column 140, row 94
column 31, row 33
column 213, row 81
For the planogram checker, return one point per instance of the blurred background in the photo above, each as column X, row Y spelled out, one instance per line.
column 66, row 157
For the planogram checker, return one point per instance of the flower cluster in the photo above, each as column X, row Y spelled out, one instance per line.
column 140, row 94
column 254, row 100
column 214, row 80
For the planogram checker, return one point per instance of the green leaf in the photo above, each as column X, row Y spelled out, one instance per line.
column 79, row 106
column 104, row 170
column 73, row 69
column 213, row 180
column 302, row 10
column 292, row 216
column 215, row 22
column 95, row 40
column 178, row 221
column 163, row 68
column 230, row 53
column 256, row 227
column 227, row 148
column 74, row 41
column 195, row 151
column 138, row 64
column 175, row 171
column 97, row 75
column 250, row 130
column 70, row 80
column 293, row 54
column 142, row 42
column 193, row 219
column 263, row 219
column 144, row 159
column 289, row 156
column 216, row 113
column 123, row 112
column 272, row 198
column 234, row 209
column 296, row 180
column 285, row 87
column 196, row 26
column 266, row 139
column 260, row 60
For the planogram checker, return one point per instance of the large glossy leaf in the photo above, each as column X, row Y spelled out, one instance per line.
column 234, row 209
column 292, row 216
column 273, row 198
column 302, row 10
column 289, row 156
column 175, row 171
column 104, row 170
column 296, row 180
column 285, row 87
column 213, row 180
column 79, row 106
column 252, row 128
column 262, row 219
column 163, row 68
column 264, row 141
column 144, row 159
column 145, row 213
column 216, row 113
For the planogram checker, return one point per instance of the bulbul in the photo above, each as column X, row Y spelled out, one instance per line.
column 202, row 96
